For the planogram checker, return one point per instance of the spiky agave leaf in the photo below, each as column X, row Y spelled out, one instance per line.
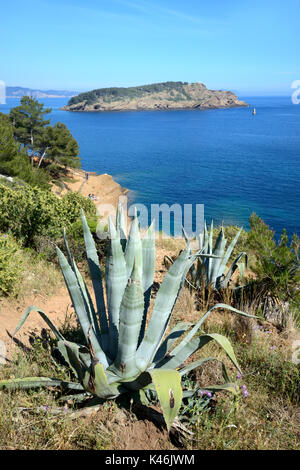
column 33, row 308
column 121, row 225
column 228, row 253
column 172, row 337
column 134, row 248
column 116, row 280
column 131, row 312
column 148, row 250
column 37, row 382
column 95, row 381
column 163, row 307
column 217, row 251
column 195, row 329
column 80, row 306
column 169, row 391
column 96, row 275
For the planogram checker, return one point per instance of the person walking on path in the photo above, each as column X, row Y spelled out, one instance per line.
column 86, row 176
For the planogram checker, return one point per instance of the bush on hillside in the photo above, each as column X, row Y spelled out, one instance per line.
column 28, row 212
column 277, row 265
column 10, row 265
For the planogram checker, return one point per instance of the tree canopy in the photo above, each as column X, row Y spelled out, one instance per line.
column 14, row 160
column 53, row 145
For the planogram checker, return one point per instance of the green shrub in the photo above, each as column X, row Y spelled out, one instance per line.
column 29, row 212
column 276, row 266
column 10, row 265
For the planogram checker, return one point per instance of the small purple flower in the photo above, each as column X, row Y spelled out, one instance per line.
column 245, row 393
column 200, row 393
column 268, row 332
column 209, row 394
column 239, row 376
column 272, row 348
column 5, row 236
column 243, row 387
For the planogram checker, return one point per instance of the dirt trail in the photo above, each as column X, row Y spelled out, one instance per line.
column 55, row 306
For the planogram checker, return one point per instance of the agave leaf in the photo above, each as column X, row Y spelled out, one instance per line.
column 234, row 266
column 200, row 239
column 228, row 253
column 96, row 275
column 241, row 267
column 205, row 238
column 178, row 357
column 116, row 280
column 210, row 251
column 28, row 310
column 36, row 382
column 226, row 345
column 95, row 382
column 83, row 287
column 121, row 225
column 163, row 306
column 61, row 347
column 168, row 387
column 131, row 311
column 218, row 251
column 173, row 336
column 194, row 330
column 134, row 248
column 70, row 258
column 74, row 359
column 80, row 306
column 88, row 300
column 173, row 361
column 148, row 248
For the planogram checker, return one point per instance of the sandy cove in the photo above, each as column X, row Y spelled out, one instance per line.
column 106, row 190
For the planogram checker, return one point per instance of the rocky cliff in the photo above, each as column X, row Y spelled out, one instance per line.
column 158, row 96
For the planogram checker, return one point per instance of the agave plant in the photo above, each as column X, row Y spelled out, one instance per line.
column 211, row 265
column 120, row 354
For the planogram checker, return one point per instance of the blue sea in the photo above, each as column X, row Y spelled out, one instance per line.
column 230, row 161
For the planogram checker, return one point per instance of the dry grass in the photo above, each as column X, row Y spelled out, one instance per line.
column 39, row 276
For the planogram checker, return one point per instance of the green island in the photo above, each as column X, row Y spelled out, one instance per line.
column 157, row 96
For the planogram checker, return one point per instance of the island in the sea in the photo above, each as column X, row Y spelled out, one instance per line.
column 158, row 96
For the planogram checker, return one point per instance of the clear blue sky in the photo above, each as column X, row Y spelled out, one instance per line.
column 251, row 47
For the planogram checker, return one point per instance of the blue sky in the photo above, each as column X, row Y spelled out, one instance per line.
column 251, row 47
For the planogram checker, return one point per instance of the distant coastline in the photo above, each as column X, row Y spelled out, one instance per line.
column 19, row 92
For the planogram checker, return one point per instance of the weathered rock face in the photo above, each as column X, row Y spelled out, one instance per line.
column 162, row 96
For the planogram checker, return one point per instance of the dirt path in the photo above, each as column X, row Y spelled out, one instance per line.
column 55, row 306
